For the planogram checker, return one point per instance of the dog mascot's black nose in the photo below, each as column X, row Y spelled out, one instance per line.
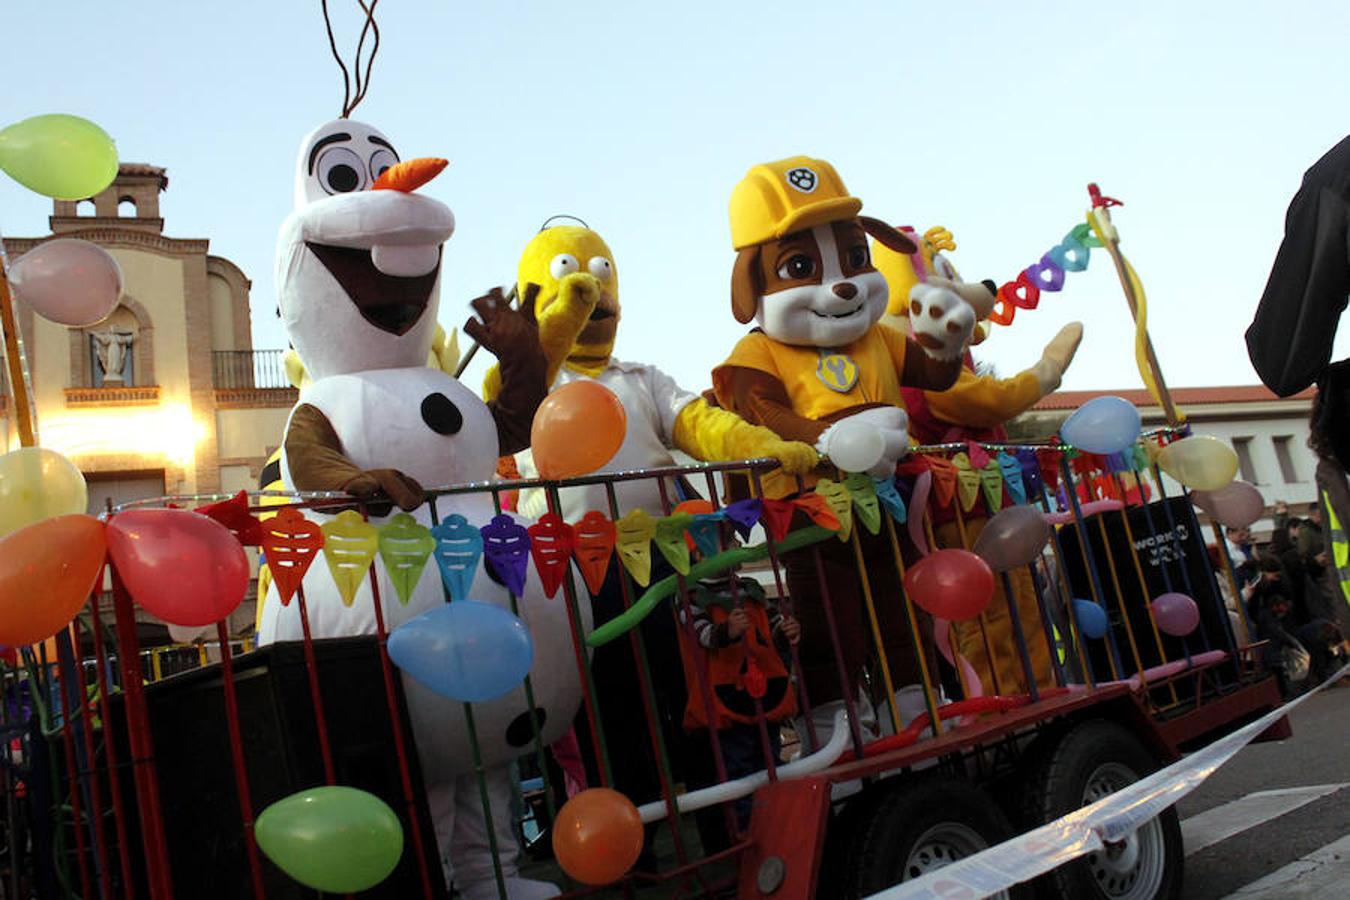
column 846, row 290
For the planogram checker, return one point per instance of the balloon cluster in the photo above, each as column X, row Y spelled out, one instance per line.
column 1047, row 274
column 66, row 280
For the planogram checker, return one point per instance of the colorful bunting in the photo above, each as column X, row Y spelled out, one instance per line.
column 670, row 540
column 979, row 457
column 349, row 547
column 290, row 541
column 551, row 542
column 1031, row 473
column 459, row 546
column 866, row 506
column 991, row 481
column 889, row 496
column 405, row 544
column 634, row 533
column 705, row 532
column 777, row 517
column 592, row 546
column 836, row 496
column 944, row 480
column 819, row 510
column 506, row 546
column 1012, row 477
column 744, row 515
column 967, row 481
column 234, row 515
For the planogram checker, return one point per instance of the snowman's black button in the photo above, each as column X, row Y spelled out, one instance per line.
column 441, row 415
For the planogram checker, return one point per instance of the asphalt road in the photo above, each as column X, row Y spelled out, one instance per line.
column 1312, row 769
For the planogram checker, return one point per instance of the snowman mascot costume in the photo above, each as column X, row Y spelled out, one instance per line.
column 358, row 271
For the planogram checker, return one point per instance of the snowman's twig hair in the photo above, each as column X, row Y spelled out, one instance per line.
column 350, row 100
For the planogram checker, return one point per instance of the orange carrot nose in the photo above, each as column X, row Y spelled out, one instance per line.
column 410, row 175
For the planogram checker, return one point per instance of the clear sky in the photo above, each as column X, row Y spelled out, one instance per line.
column 987, row 117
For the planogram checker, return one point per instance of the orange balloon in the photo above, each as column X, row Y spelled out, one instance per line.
column 47, row 571
column 597, row 836
column 577, row 429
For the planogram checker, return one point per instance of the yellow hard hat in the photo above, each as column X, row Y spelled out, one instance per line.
column 777, row 198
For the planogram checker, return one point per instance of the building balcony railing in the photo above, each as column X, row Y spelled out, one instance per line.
column 109, row 395
column 249, row 370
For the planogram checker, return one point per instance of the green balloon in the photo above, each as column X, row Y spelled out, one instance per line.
column 59, row 156
column 334, row 839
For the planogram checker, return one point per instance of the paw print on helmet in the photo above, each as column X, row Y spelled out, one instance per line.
column 940, row 320
column 803, row 179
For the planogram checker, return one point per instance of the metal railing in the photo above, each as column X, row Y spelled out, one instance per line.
column 234, row 369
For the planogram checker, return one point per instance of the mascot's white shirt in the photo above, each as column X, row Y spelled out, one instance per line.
column 651, row 400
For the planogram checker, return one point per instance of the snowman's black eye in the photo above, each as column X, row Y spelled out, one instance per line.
column 340, row 171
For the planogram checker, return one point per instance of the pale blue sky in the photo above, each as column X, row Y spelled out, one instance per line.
column 987, row 117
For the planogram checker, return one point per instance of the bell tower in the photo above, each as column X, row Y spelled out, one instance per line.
column 130, row 202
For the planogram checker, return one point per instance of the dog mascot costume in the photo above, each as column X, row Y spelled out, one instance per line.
column 820, row 357
column 358, row 270
column 975, row 408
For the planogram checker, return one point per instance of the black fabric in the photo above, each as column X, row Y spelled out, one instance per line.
column 1332, row 414
column 1289, row 340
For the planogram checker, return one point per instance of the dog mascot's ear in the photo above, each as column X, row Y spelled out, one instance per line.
column 746, row 284
column 888, row 236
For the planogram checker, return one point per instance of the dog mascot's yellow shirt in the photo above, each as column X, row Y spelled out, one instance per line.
column 818, row 380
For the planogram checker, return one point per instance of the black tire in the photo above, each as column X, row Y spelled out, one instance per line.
column 919, row 826
column 1091, row 760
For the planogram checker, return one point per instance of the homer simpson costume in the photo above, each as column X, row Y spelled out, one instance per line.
column 571, row 263
column 975, row 408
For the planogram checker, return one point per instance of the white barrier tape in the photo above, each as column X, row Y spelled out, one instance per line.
column 1086, row 830
column 743, row 787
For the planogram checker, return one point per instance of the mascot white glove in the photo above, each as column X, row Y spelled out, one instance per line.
column 940, row 320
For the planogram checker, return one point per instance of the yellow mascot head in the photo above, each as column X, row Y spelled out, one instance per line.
column 561, row 259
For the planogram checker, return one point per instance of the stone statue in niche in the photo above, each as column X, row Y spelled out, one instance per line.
column 112, row 348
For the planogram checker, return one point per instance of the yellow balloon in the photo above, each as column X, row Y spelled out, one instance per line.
column 38, row 484
column 1200, row 462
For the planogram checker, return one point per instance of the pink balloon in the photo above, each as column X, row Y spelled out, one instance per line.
column 69, row 281
column 181, row 566
column 1236, row 504
column 951, row 584
column 1176, row 614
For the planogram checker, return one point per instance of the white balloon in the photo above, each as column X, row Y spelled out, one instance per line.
column 855, row 446
column 68, row 281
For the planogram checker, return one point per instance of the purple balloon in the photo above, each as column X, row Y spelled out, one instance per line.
column 1236, row 504
column 1176, row 614
column 1013, row 538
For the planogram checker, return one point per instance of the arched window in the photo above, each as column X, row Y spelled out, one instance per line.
column 126, row 208
column 85, row 208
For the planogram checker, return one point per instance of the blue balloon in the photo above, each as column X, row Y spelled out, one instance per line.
column 1091, row 618
column 464, row 650
column 1102, row 425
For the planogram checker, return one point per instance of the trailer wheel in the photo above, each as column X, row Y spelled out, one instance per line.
column 1092, row 760
column 921, row 826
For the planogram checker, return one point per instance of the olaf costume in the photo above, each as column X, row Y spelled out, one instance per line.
column 358, row 273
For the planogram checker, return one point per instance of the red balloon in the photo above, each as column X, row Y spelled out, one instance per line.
column 181, row 566
column 577, row 429
column 951, row 584
column 598, row 836
column 47, row 571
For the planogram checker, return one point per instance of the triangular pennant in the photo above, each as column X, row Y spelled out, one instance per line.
column 633, row 539
column 836, row 495
column 705, row 531
column 506, row 547
column 777, row 516
column 889, row 496
column 551, row 542
column 991, row 481
column 1049, row 463
column 979, row 457
column 1012, row 477
column 863, row 489
column 699, row 507
column 234, row 515
column 405, row 545
column 967, row 481
column 670, row 540
column 1031, row 473
column 592, row 546
column 349, row 546
column 818, row 508
column 744, row 515
column 289, row 542
column 459, row 546
column 944, row 480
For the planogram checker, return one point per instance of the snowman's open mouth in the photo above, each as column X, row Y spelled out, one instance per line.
column 391, row 303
